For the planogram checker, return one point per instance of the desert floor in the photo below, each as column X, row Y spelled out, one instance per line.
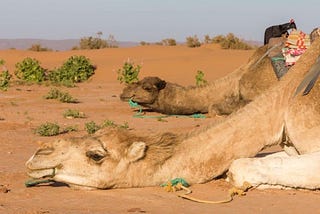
column 23, row 108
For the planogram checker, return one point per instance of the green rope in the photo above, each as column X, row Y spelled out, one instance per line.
column 31, row 183
column 176, row 181
column 139, row 114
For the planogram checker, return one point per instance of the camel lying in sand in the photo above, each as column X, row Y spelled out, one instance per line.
column 221, row 97
column 118, row 158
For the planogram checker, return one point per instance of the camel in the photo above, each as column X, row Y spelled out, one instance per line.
column 115, row 158
column 221, row 97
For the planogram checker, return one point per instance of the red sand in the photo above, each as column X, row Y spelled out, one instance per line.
column 23, row 108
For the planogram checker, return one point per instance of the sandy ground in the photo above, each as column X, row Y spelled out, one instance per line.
column 23, row 108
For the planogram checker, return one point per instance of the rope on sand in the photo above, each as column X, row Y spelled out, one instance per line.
column 180, row 184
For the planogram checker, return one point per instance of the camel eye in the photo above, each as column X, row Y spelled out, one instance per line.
column 147, row 87
column 95, row 155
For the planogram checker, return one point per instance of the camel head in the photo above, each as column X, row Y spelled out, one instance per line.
column 112, row 158
column 145, row 91
column 91, row 162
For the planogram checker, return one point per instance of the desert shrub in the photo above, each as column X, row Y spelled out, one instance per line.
column 91, row 127
column 144, row 43
column 53, row 129
column 71, row 113
column 4, row 77
column 230, row 41
column 96, row 42
column 75, row 69
column 38, row 48
column 193, row 41
column 169, row 42
column 63, row 97
column 48, row 129
column 128, row 73
column 200, row 81
column 207, row 39
column 30, row 70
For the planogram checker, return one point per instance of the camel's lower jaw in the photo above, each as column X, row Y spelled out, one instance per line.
column 41, row 173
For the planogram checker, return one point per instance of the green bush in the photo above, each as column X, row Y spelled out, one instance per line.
column 30, row 70
column 193, row 41
column 230, row 41
column 71, row 113
column 200, row 81
column 63, row 97
column 48, row 129
column 53, row 129
column 129, row 73
column 4, row 77
column 91, row 127
column 75, row 69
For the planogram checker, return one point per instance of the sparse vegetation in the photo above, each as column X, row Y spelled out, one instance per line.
column 48, row 129
column 230, row 41
column 53, row 129
column 97, row 42
column 71, row 113
column 30, row 70
column 193, row 41
column 128, row 73
column 38, row 48
column 169, row 42
column 91, row 127
column 4, row 77
column 64, row 97
column 200, row 81
column 75, row 69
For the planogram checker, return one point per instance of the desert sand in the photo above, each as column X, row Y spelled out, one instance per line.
column 23, row 108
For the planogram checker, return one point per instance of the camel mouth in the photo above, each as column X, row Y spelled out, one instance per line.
column 41, row 173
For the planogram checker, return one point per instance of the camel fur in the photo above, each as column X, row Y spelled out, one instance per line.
column 115, row 158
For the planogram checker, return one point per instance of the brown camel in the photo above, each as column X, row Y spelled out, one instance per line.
column 118, row 158
column 222, row 97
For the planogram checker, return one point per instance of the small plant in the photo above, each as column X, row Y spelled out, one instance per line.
column 48, row 129
column 91, row 127
column 53, row 129
column 193, row 41
column 30, row 70
column 37, row 47
column 70, row 113
column 230, row 41
column 128, row 73
column 200, row 81
column 64, row 97
column 76, row 69
column 169, row 42
column 4, row 77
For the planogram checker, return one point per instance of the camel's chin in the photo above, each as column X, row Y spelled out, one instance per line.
column 79, row 187
column 41, row 173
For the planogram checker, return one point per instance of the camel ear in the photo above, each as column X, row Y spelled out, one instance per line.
column 136, row 151
column 161, row 84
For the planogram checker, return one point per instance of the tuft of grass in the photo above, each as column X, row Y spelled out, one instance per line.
column 71, row 113
column 63, row 97
column 52, row 129
column 200, row 81
column 48, row 129
column 91, row 127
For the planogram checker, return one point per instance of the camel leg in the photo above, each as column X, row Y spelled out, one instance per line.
column 277, row 170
